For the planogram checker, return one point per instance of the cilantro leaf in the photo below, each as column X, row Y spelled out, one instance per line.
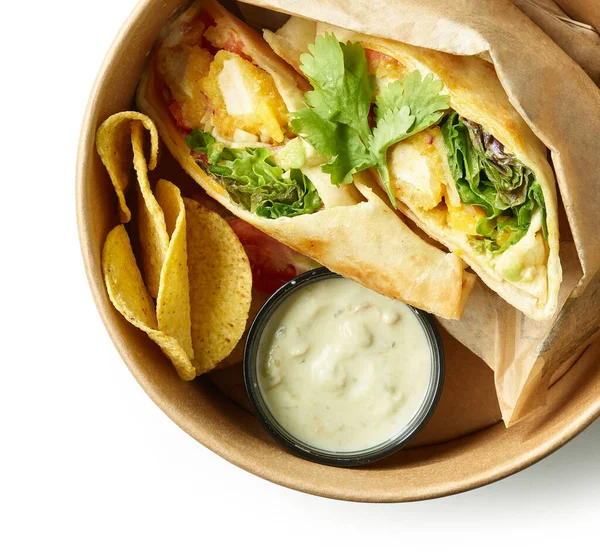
column 358, row 90
column 342, row 87
column 422, row 97
column 352, row 156
column 324, row 68
column 317, row 130
column 395, row 123
column 336, row 122
column 404, row 108
column 338, row 141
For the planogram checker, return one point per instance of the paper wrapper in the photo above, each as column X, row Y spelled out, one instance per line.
column 561, row 104
column 583, row 11
column 579, row 40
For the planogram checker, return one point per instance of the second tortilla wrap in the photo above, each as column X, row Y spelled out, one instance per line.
column 527, row 274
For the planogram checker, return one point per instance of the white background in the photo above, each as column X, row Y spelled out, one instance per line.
column 88, row 465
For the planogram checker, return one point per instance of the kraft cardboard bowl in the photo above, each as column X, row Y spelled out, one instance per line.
column 464, row 445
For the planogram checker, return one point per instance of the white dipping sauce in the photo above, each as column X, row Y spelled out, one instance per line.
column 343, row 368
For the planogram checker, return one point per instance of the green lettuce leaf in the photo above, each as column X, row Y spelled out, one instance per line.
column 496, row 181
column 253, row 179
column 204, row 142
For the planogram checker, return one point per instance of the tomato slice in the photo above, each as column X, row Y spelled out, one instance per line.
column 235, row 44
column 175, row 109
column 272, row 263
column 382, row 65
column 374, row 58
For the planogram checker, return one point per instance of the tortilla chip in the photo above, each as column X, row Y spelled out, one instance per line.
column 153, row 236
column 130, row 297
column 220, row 286
column 124, row 282
column 112, row 144
column 173, row 301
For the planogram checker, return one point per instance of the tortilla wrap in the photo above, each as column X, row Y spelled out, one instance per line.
column 476, row 94
column 357, row 233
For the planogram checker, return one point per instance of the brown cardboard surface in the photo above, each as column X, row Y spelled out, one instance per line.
column 466, row 449
column 533, row 70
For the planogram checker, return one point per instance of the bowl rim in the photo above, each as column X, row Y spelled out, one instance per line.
column 304, row 450
column 219, row 446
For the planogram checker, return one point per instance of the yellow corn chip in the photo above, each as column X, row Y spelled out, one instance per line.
column 153, row 236
column 130, row 297
column 220, row 286
column 192, row 261
column 173, row 301
column 112, row 144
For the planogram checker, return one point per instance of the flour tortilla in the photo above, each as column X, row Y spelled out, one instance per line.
column 365, row 241
column 475, row 93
